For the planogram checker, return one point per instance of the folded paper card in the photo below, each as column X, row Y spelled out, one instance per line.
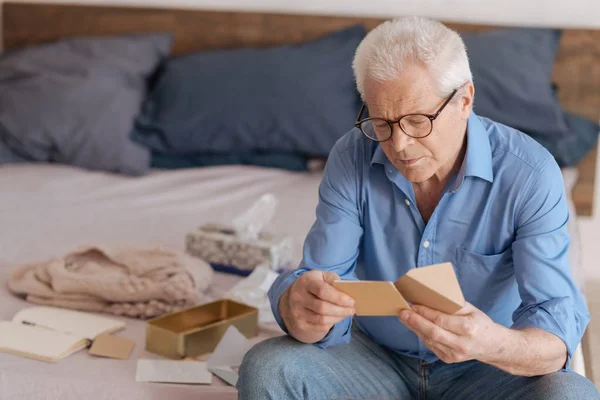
column 434, row 286
column 171, row 371
column 49, row 333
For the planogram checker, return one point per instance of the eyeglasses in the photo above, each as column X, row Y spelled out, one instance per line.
column 414, row 125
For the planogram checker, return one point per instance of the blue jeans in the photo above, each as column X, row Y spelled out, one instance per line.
column 283, row 368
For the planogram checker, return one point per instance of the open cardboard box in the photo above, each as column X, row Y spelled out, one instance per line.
column 198, row 330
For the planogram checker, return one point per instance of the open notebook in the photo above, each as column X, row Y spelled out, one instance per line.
column 50, row 333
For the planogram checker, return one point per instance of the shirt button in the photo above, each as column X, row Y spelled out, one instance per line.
column 407, row 202
column 426, row 244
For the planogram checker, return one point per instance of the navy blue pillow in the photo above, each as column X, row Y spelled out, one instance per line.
column 296, row 98
column 570, row 149
column 289, row 161
column 8, row 156
column 512, row 72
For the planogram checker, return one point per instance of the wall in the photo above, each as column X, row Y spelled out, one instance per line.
column 581, row 13
column 557, row 13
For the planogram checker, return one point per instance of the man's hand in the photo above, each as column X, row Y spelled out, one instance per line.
column 469, row 334
column 311, row 306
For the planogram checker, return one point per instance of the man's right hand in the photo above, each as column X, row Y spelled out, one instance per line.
column 311, row 306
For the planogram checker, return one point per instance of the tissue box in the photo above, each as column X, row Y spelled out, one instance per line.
column 198, row 330
column 226, row 251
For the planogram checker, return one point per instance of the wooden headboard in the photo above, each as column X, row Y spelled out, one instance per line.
column 577, row 69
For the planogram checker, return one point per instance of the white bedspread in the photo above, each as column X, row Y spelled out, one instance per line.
column 48, row 210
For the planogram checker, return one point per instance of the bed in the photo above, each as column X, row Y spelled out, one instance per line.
column 72, row 207
column 48, row 209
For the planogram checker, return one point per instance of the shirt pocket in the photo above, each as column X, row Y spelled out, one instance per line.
column 484, row 262
column 483, row 276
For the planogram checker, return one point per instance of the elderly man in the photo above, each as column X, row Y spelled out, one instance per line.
column 423, row 180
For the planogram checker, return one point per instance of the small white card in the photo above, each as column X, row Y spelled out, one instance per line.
column 228, row 355
column 172, row 371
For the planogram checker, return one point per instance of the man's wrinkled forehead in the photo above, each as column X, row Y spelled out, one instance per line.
column 392, row 99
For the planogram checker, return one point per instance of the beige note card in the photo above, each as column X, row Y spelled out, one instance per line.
column 373, row 298
column 112, row 347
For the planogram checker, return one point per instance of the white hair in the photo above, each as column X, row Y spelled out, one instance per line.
column 384, row 51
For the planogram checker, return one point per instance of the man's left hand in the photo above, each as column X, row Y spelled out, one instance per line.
column 469, row 334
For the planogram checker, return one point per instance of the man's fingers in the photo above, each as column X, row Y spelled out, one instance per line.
column 324, row 307
column 329, row 277
column 428, row 330
column 328, row 293
column 444, row 352
column 309, row 326
column 458, row 324
column 321, row 319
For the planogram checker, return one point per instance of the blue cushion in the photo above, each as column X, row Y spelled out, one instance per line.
column 289, row 161
column 75, row 101
column 582, row 137
column 297, row 99
column 8, row 156
column 512, row 72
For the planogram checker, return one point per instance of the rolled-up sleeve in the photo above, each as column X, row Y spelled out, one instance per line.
column 332, row 243
column 550, row 297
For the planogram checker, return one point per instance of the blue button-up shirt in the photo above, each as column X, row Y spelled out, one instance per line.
column 502, row 223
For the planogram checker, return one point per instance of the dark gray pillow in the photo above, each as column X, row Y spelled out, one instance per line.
column 75, row 101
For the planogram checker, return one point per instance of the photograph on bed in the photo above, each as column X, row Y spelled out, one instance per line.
column 198, row 197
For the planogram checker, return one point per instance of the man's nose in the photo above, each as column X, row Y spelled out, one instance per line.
column 400, row 140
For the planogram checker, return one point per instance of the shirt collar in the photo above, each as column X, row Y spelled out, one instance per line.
column 478, row 158
column 379, row 156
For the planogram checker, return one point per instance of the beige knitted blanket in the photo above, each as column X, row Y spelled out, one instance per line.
column 138, row 283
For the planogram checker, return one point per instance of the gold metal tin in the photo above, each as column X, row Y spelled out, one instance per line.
column 198, row 330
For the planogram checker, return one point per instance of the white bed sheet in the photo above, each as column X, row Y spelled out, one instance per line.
column 48, row 210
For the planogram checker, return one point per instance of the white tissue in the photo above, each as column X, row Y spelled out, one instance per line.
column 251, row 222
column 253, row 291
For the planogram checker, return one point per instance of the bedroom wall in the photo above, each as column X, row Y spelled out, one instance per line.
column 559, row 13
column 563, row 13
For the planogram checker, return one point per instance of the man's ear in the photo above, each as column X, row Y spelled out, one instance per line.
column 467, row 96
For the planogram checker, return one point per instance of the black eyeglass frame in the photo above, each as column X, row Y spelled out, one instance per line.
column 431, row 118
